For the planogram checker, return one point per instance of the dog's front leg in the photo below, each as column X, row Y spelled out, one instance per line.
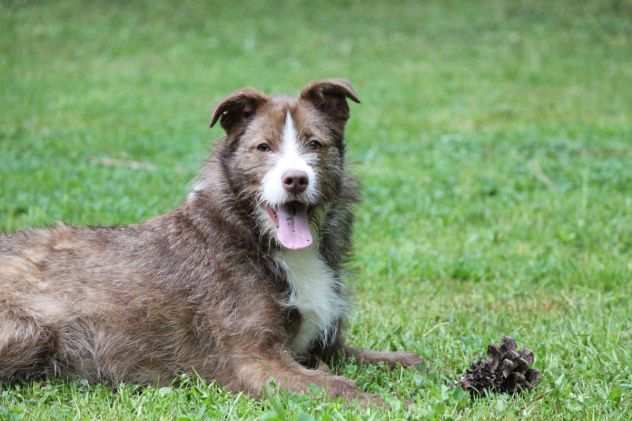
column 393, row 359
column 338, row 349
column 252, row 373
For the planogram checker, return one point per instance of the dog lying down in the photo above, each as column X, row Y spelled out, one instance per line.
column 240, row 284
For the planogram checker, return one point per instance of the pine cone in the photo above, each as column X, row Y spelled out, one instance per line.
column 504, row 370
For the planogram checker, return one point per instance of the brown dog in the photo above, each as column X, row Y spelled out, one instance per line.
column 240, row 284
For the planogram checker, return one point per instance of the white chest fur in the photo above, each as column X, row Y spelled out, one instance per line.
column 313, row 293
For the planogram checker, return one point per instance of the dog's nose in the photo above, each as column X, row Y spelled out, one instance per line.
column 295, row 181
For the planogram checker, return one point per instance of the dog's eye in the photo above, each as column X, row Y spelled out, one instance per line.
column 314, row 145
column 263, row 147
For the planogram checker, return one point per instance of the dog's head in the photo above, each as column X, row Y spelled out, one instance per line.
column 286, row 155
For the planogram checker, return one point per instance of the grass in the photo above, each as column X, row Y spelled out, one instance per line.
column 493, row 142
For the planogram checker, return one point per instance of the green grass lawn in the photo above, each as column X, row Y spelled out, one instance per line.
column 494, row 145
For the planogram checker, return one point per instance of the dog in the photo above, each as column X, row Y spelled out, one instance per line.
column 241, row 284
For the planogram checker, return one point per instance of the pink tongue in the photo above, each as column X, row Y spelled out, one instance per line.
column 294, row 230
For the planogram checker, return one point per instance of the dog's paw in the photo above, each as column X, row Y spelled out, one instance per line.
column 341, row 386
column 347, row 389
column 406, row 359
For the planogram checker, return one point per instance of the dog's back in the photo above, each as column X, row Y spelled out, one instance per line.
column 93, row 303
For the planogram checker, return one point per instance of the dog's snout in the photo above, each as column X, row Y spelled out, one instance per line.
column 295, row 181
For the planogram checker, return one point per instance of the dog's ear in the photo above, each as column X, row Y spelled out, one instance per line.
column 237, row 108
column 330, row 97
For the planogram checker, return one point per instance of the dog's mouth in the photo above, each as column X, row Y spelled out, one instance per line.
column 292, row 222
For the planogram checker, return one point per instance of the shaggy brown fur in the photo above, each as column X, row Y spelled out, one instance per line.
column 197, row 290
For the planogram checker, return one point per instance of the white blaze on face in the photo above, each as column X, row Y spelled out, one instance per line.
column 292, row 220
column 289, row 158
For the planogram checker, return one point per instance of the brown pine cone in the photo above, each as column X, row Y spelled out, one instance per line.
column 504, row 370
